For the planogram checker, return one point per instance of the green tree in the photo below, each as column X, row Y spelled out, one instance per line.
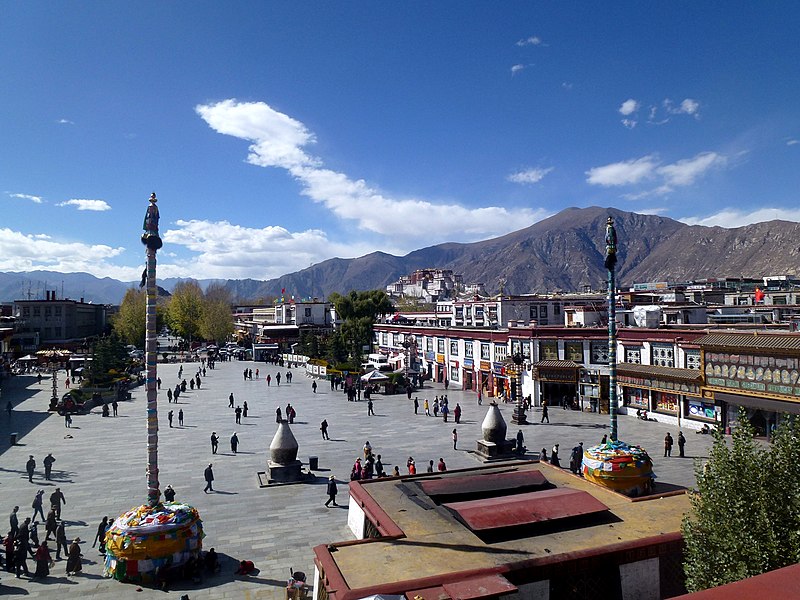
column 129, row 323
column 745, row 517
column 185, row 310
column 108, row 354
column 359, row 311
column 216, row 321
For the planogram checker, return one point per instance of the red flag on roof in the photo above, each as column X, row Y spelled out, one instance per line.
column 759, row 296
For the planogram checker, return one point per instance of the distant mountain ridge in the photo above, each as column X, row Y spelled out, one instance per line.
column 563, row 252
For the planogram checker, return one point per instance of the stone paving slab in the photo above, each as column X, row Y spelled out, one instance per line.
column 101, row 468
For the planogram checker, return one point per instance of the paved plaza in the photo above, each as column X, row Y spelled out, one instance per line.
column 100, row 467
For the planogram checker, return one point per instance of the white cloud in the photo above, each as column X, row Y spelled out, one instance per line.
column 689, row 106
column 732, row 217
column 686, row 171
column 629, row 107
column 629, row 123
column 224, row 250
column 84, row 204
column 623, row 173
column 516, row 69
column 681, row 173
column 278, row 140
column 566, row 85
column 30, row 252
column 34, row 199
column 792, row 142
column 530, row 41
column 65, row 122
column 533, row 175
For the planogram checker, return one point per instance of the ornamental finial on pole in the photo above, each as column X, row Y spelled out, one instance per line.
column 150, row 237
column 611, row 245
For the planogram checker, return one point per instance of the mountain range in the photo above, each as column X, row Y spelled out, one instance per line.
column 564, row 252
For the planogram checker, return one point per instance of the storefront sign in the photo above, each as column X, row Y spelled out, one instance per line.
column 440, row 359
column 468, row 362
column 430, row 356
column 689, row 389
column 453, row 364
column 556, row 375
column 499, row 369
column 486, row 366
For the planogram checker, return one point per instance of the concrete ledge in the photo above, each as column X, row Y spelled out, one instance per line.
column 264, row 480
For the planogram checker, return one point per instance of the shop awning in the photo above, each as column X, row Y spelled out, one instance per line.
column 743, row 342
column 655, row 372
column 762, row 403
column 556, row 364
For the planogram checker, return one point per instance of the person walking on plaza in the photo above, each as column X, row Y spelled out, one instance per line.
column 43, row 561
column 169, row 395
column 234, row 443
column 278, row 417
column 169, row 494
column 369, row 408
column 114, row 407
column 681, row 444
column 37, row 504
column 180, row 417
column 278, row 378
column 332, row 491
column 455, row 438
column 554, row 457
column 30, row 466
column 56, row 499
column 48, row 465
column 416, row 405
column 214, row 442
column 61, row 540
column 209, row 476
column 244, row 409
column 169, row 418
column 67, row 420
column 668, row 445
column 457, row 413
column 314, row 386
column 13, row 520
column 576, row 458
column 427, row 408
column 74, row 557
column 544, row 412
column 230, row 400
column 50, row 524
column 269, row 379
column 323, row 427
column 100, row 536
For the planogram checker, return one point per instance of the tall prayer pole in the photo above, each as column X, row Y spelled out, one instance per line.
column 152, row 242
column 149, row 540
column 610, row 264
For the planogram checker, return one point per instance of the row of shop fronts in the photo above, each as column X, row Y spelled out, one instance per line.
column 757, row 372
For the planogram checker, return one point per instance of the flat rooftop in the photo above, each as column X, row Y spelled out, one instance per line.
column 426, row 539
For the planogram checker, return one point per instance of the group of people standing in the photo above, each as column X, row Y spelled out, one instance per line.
column 22, row 540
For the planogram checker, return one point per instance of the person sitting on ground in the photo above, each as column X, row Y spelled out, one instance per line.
column 211, row 561
column 246, row 567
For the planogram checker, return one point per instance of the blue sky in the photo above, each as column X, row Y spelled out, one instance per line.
column 278, row 135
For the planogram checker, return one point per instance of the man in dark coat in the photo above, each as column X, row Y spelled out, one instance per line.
column 48, row 465
column 668, row 445
column 332, row 491
column 56, row 499
column 30, row 466
column 209, row 475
